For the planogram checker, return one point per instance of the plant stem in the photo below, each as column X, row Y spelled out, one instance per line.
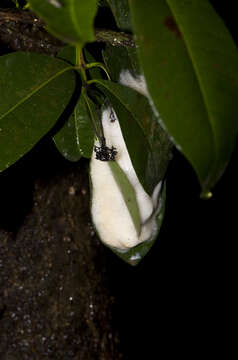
column 13, row 18
column 100, row 65
column 80, row 63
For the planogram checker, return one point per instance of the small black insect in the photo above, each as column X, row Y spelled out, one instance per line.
column 112, row 116
column 105, row 153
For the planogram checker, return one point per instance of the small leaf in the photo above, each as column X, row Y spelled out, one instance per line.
column 120, row 10
column 134, row 255
column 69, row 20
column 76, row 137
column 37, row 92
column 84, row 128
column 192, row 77
column 66, row 140
column 128, row 194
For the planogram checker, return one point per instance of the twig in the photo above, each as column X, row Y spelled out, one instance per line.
column 12, row 18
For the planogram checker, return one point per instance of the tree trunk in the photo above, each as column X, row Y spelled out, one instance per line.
column 54, row 301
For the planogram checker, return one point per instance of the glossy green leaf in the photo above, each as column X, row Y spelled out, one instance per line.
column 76, row 137
column 120, row 10
column 94, row 113
column 84, row 128
column 66, row 139
column 191, row 67
column 134, row 255
column 160, row 144
column 122, row 100
column 69, row 20
column 128, row 60
column 128, row 194
column 35, row 90
column 139, row 127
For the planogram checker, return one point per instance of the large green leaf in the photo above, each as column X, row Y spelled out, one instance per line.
column 191, row 67
column 143, row 138
column 35, row 90
column 69, row 20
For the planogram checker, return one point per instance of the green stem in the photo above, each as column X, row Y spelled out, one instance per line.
column 80, row 63
column 100, row 65
column 93, row 81
column 97, row 126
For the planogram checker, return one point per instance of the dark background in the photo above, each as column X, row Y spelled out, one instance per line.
column 180, row 297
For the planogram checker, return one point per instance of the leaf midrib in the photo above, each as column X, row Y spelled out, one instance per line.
column 35, row 91
column 72, row 12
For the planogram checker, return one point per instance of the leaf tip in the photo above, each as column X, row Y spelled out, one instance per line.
column 206, row 195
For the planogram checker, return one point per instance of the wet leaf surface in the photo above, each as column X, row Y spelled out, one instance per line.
column 191, row 67
column 38, row 90
column 69, row 20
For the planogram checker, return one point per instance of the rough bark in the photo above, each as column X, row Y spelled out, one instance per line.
column 54, row 301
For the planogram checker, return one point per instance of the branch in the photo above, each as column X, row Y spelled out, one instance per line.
column 22, row 30
column 115, row 38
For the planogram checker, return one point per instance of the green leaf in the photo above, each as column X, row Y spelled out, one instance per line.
column 76, row 137
column 191, row 67
column 134, row 255
column 94, row 113
column 144, row 138
column 84, row 128
column 128, row 60
column 35, row 90
column 121, row 12
column 160, row 144
column 128, row 194
column 69, row 20
column 66, row 139
column 123, row 100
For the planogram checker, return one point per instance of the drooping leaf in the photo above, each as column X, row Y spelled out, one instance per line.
column 160, row 144
column 94, row 114
column 128, row 194
column 84, row 128
column 136, row 120
column 66, row 140
column 69, row 20
column 136, row 141
column 35, row 90
column 191, row 67
column 66, row 137
column 128, row 60
column 76, row 137
column 134, row 255
column 120, row 10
